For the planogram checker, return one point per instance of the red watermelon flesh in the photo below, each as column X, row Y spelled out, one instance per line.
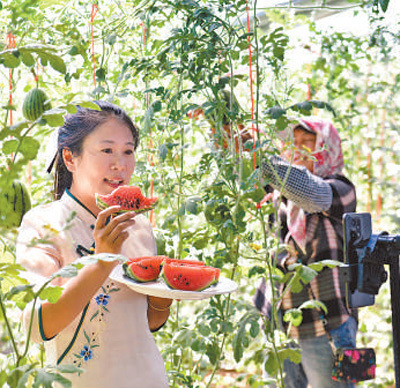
column 130, row 198
column 188, row 278
column 144, row 269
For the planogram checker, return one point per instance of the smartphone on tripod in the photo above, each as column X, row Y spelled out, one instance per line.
column 357, row 230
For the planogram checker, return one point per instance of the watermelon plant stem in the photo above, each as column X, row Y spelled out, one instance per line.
column 9, row 329
column 21, row 140
column 271, row 335
column 221, row 347
column 7, row 248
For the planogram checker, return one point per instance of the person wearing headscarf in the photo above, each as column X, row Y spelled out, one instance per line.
column 315, row 195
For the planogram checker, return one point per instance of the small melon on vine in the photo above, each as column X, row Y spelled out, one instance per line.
column 35, row 103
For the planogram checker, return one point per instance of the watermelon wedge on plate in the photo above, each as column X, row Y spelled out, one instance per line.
column 189, row 277
column 159, row 288
column 144, row 269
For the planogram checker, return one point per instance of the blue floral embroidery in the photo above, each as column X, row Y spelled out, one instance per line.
column 86, row 353
column 102, row 299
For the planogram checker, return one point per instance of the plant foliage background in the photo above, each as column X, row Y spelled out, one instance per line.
column 161, row 60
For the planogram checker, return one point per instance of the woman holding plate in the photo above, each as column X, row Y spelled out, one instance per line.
column 96, row 319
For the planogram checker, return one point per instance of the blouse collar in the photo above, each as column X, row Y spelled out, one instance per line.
column 82, row 211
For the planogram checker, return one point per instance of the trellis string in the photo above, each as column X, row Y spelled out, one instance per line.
column 254, row 130
column 95, row 9
column 11, row 45
column 150, row 158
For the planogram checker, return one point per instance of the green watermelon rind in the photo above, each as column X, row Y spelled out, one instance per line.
column 19, row 202
column 102, row 206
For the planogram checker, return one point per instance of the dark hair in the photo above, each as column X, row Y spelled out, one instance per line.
column 74, row 131
column 302, row 126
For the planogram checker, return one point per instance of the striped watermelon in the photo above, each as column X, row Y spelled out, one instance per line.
column 35, row 103
column 18, row 200
column 130, row 198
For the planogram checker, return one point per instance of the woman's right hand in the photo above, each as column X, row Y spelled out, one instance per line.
column 110, row 236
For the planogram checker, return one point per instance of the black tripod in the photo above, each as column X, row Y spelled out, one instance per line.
column 366, row 254
column 387, row 252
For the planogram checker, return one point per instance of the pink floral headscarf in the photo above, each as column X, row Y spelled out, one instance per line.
column 329, row 161
column 328, row 146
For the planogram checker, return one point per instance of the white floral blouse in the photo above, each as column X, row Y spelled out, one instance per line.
column 110, row 340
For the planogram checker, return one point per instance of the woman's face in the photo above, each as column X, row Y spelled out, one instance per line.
column 107, row 161
column 305, row 145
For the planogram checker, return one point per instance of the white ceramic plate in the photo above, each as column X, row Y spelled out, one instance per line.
column 160, row 289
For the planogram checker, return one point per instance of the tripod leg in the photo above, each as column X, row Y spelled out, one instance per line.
column 395, row 300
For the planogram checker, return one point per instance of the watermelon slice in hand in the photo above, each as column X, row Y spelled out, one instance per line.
column 130, row 198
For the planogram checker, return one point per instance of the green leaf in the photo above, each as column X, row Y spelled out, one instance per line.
column 204, row 330
column 295, row 316
column 29, row 147
column 43, row 61
column 46, row 380
column 8, row 59
column 68, row 271
column 294, row 355
column 10, row 146
column 212, row 352
column 282, row 123
column 17, row 290
column 256, row 194
column 19, row 126
column 314, row 304
column 238, row 342
column 271, row 364
column 101, row 74
column 276, row 112
column 51, row 293
column 384, row 4
column 27, row 59
column 256, row 270
column 305, row 105
column 89, row 105
column 323, row 105
column 320, row 265
column 68, row 369
column 57, row 63
column 54, row 117
column 17, row 376
column 70, row 108
column 198, row 345
column 157, row 106
column 307, row 274
column 163, row 152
